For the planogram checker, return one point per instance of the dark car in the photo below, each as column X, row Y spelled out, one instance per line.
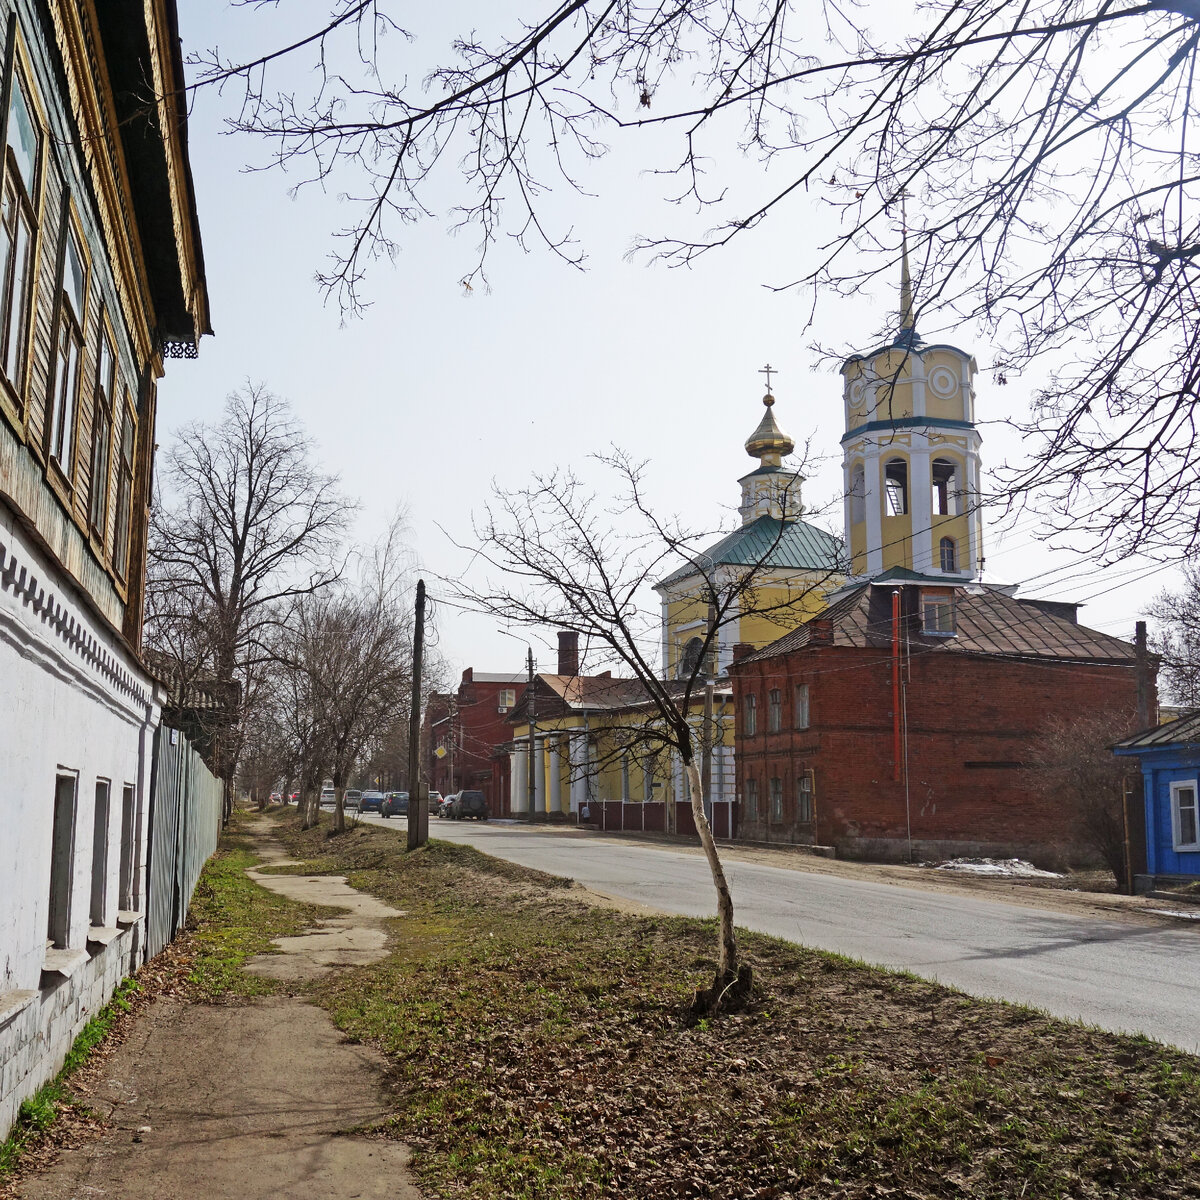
column 395, row 804
column 371, row 802
column 470, row 806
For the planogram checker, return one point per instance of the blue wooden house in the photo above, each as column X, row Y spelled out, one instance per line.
column 1170, row 760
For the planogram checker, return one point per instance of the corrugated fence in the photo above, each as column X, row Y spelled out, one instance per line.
column 185, row 808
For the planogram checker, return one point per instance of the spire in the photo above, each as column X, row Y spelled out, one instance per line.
column 907, row 330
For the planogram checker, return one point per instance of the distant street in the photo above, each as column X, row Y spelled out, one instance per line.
column 1130, row 977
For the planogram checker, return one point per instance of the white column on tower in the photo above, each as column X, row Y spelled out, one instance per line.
column 539, row 774
column 518, row 774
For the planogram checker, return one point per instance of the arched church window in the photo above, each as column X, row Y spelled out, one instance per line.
column 949, row 554
column 895, row 482
column 858, row 494
column 947, row 491
column 691, row 657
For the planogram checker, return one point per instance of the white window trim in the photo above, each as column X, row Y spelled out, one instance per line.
column 1177, row 786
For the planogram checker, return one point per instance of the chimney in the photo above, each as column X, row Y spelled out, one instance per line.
column 741, row 650
column 568, row 652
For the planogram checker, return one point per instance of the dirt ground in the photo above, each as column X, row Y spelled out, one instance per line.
column 248, row 1100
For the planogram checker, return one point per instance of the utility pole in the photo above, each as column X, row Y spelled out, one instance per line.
column 418, row 811
column 531, row 713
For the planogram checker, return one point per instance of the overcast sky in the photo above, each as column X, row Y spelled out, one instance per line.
column 432, row 394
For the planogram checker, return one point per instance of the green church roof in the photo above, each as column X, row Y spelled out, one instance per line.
column 773, row 543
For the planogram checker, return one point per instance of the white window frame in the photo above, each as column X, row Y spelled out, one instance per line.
column 1176, row 787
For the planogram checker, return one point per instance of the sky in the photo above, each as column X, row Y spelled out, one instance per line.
column 434, row 395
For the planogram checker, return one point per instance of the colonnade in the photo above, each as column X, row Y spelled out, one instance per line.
column 555, row 753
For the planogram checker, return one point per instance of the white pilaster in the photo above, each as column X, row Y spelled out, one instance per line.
column 518, row 774
column 554, row 766
column 873, row 482
column 920, row 503
column 577, row 766
column 539, row 774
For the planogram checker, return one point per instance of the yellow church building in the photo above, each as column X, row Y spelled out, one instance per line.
column 772, row 573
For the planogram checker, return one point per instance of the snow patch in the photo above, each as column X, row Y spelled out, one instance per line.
column 1005, row 868
column 1175, row 912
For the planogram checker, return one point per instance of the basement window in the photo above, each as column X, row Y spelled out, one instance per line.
column 937, row 613
column 62, row 861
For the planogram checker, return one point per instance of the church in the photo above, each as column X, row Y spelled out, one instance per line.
column 897, row 722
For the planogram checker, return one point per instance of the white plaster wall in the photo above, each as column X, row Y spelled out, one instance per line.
column 72, row 701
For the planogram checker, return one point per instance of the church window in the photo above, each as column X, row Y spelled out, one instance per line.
column 776, row 799
column 751, row 799
column 774, row 710
column 804, row 799
column 802, row 706
column 946, row 489
column 858, row 494
column 750, row 717
column 895, row 479
column 937, row 611
column 949, row 554
column 690, row 660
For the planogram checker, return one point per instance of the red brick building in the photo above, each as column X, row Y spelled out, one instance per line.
column 463, row 730
column 980, row 673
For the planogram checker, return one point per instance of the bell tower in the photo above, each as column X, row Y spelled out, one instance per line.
column 910, row 455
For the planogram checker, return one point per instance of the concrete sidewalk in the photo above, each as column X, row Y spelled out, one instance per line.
column 246, row 1101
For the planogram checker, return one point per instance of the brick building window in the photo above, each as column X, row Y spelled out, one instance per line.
column 804, row 799
column 1185, row 816
column 750, row 716
column 776, row 799
column 751, row 799
column 506, row 698
column 802, row 706
column 937, row 613
column 774, row 710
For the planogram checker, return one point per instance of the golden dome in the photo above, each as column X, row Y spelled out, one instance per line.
column 768, row 442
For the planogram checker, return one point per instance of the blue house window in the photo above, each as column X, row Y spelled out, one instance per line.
column 1185, row 816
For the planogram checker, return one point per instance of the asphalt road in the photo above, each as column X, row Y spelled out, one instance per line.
column 1131, row 977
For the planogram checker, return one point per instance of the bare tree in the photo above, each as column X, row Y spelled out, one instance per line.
column 562, row 561
column 1047, row 147
column 1072, row 762
column 1177, row 641
column 248, row 525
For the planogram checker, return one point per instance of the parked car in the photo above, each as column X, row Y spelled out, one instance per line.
column 435, row 801
column 470, row 806
column 371, row 802
column 328, row 798
column 445, row 807
column 353, row 798
column 395, row 804
column 276, row 798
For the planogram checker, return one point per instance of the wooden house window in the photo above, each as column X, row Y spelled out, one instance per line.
column 937, row 613
column 102, row 435
column 774, row 710
column 750, row 716
column 1185, row 815
column 68, row 353
column 124, row 491
column 18, row 226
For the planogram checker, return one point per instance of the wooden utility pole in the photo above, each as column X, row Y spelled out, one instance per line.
column 531, row 713
column 418, row 810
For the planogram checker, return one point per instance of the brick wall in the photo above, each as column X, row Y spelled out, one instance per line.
column 970, row 720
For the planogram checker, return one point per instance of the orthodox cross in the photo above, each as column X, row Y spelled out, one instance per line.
column 768, row 371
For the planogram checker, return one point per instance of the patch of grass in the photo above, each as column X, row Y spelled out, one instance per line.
column 39, row 1111
column 232, row 918
column 538, row 1048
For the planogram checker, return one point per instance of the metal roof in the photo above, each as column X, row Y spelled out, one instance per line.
column 987, row 622
column 771, row 543
column 1183, row 731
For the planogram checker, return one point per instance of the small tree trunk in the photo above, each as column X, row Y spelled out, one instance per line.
column 339, row 811
column 732, row 983
column 309, row 806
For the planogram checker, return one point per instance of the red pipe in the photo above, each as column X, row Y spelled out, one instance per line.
column 896, row 684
